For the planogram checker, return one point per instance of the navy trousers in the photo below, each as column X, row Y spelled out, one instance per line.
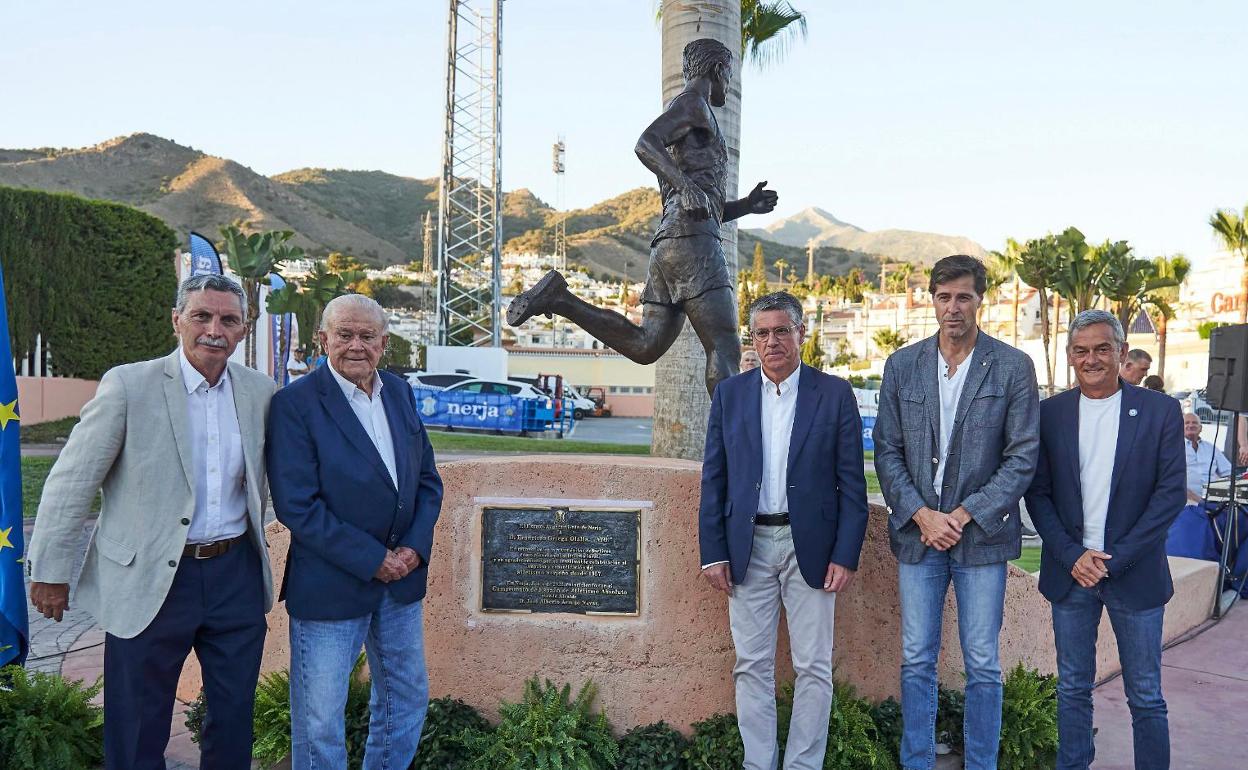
column 216, row 607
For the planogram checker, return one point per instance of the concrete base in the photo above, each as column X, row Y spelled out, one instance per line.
column 674, row 660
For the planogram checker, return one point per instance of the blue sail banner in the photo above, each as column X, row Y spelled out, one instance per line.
column 204, row 257
column 279, row 337
column 868, row 425
column 14, row 633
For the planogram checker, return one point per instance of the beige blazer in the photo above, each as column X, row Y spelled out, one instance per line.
column 134, row 443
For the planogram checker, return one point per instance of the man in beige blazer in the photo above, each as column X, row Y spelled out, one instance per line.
column 178, row 558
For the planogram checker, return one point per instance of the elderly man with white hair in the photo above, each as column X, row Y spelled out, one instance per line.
column 353, row 477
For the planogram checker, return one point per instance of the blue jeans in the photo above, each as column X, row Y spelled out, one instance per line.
column 981, row 604
column 1075, row 621
column 322, row 653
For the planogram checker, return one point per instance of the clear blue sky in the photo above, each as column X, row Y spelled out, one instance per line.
column 980, row 118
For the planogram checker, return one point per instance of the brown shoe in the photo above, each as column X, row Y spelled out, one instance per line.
column 535, row 300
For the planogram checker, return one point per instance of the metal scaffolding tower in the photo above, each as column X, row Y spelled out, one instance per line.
column 470, row 201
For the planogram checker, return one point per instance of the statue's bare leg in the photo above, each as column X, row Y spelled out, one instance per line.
column 713, row 316
column 644, row 344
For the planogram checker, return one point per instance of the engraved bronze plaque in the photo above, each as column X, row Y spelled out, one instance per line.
column 560, row 559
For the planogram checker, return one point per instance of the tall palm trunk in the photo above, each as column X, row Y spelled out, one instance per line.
column 1161, row 345
column 681, row 404
column 1044, row 336
column 1016, row 290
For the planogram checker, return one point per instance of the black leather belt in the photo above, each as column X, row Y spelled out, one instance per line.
column 209, row 550
column 772, row 519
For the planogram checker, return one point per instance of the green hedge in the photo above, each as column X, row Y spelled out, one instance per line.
column 95, row 279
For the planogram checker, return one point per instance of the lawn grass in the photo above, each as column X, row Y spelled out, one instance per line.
column 873, row 483
column 1030, row 560
column 48, row 432
column 34, row 473
column 476, row 442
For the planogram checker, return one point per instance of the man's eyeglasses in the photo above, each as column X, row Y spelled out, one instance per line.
column 780, row 333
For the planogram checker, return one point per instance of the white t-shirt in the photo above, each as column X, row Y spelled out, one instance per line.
column 296, row 369
column 950, row 394
column 1098, row 440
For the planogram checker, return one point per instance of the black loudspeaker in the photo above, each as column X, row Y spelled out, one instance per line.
column 1228, row 368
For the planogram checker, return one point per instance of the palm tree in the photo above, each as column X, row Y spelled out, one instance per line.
column 681, row 403
column 1038, row 265
column 1126, row 279
column 1007, row 260
column 1079, row 270
column 253, row 257
column 1162, row 301
column 1232, row 230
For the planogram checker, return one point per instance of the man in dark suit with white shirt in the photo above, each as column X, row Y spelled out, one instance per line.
column 781, row 522
column 1110, row 480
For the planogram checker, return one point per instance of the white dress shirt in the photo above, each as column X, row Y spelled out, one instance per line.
column 950, row 394
column 371, row 413
column 779, row 404
column 1201, row 460
column 217, row 457
column 1098, row 441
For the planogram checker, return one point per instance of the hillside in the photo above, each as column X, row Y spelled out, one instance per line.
column 378, row 216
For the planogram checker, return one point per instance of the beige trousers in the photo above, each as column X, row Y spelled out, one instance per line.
column 754, row 615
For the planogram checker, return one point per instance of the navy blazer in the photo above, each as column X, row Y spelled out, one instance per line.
column 1147, row 492
column 332, row 490
column 827, row 486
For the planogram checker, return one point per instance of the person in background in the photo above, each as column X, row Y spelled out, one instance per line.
column 296, row 367
column 1153, row 382
column 1136, row 368
column 1204, row 461
column 749, row 359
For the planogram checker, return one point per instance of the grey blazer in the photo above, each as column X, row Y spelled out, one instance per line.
column 134, row 443
column 992, row 450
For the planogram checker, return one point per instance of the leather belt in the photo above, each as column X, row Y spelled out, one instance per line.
column 772, row 519
column 209, row 550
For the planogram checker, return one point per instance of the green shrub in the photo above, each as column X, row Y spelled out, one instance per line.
column 271, row 719
column 652, row 747
column 48, row 723
column 888, row 726
column 72, row 264
column 442, row 744
column 854, row 743
column 950, row 713
column 1028, row 720
column 195, row 711
column 544, row 731
column 716, row 744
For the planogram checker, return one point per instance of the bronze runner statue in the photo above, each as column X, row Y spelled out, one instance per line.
column 688, row 275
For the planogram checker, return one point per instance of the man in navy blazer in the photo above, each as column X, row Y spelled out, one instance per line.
column 353, row 478
column 1109, row 481
column 781, row 521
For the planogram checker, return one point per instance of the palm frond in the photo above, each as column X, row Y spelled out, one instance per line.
column 767, row 30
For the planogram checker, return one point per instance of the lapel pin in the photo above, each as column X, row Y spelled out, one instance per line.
column 1132, row 412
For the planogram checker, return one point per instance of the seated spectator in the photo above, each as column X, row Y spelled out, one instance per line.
column 749, row 359
column 1204, row 461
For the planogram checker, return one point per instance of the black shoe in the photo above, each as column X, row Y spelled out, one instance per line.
column 533, row 302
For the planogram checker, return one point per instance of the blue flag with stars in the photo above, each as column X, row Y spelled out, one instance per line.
column 13, row 629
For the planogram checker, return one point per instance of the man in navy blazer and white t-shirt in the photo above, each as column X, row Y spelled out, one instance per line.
column 1110, row 479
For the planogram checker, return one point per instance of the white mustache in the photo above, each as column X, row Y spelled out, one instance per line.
column 210, row 342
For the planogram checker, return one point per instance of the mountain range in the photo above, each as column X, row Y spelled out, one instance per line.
column 377, row 216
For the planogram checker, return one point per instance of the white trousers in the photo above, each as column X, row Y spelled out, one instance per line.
column 754, row 615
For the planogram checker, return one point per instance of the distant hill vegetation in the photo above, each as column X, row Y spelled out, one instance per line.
column 378, row 217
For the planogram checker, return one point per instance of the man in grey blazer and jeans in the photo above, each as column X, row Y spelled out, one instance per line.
column 956, row 440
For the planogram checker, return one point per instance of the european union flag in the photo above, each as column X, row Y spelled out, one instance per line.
column 13, row 629
column 204, row 256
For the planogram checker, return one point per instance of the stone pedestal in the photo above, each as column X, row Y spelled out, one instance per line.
column 673, row 660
